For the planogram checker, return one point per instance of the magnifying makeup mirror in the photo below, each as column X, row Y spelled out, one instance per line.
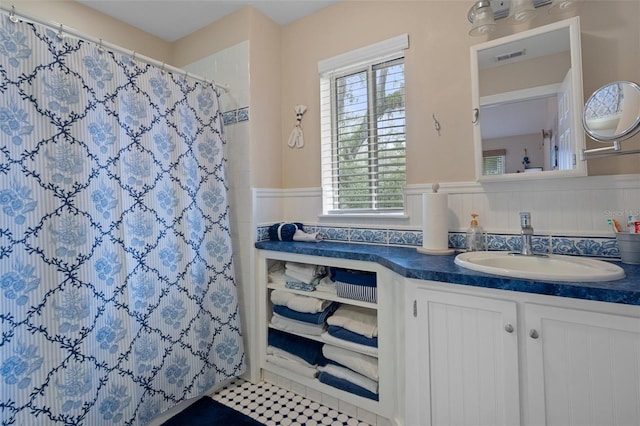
column 612, row 115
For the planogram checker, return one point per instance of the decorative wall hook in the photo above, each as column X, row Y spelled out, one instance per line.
column 436, row 123
column 296, row 139
column 476, row 114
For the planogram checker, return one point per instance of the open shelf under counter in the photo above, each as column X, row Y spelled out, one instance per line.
column 358, row 401
column 386, row 299
column 322, row 294
column 332, row 343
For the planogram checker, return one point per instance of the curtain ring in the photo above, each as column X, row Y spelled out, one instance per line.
column 100, row 47
column 133, row 55
column 60, row 35
column 162, row 71
column 12, row 15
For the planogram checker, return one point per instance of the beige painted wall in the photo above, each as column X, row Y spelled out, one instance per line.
column 96, row 25
column 438, row 76
column 283, row 65
column 265, row 89
column 264, row 83
column 225, row 33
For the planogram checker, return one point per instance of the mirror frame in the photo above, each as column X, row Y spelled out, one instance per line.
column 577, row 102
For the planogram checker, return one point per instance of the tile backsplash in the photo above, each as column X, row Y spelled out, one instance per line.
column 569, row 216
column 604, row 247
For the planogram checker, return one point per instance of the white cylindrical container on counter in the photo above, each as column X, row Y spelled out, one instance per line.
column 435, row 223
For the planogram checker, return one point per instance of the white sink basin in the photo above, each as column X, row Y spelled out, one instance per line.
column 550, row 268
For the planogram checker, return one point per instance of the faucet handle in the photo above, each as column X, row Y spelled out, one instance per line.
column 525, row 219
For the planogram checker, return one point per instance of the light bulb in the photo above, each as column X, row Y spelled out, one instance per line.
column 483, row 21
column 521, row 11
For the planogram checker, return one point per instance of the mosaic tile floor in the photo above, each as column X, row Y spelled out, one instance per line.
column 275, row 406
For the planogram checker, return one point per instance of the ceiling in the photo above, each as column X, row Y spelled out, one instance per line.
column 173, row 19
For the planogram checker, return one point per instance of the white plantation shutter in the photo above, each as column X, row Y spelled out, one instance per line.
column 363, row 129
column 493, row 162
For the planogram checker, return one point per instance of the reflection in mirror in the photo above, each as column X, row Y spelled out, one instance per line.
column 528, row 90
column 612, row 114
column 613, row 111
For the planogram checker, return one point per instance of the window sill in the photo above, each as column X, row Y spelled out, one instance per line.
column 382, row 216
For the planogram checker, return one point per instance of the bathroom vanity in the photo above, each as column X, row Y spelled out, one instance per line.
column 464, row 347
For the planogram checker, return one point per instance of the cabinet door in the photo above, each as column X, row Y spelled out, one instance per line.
column 583, row 368
column 462, row 360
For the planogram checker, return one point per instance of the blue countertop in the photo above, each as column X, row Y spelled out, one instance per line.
column 409, row 263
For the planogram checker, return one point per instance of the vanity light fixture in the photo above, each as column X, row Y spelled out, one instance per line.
column 482, row 20
column 484, row 13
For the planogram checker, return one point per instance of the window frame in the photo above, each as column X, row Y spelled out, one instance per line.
column 367, row 58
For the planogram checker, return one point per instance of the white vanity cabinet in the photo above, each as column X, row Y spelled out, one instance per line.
column 462, row 359
column 489, row 357
column 388, row 370
column 583, row 368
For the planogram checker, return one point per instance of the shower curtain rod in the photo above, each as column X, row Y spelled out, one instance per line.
column 14, row 16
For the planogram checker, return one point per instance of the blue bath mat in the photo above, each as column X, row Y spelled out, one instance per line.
column 207, row 412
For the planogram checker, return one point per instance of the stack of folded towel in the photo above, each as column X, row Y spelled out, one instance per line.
column 300, row 314
column 301, row 276
column 293, row 313
column 317, row 276
column 297, row 354
column 351, row 346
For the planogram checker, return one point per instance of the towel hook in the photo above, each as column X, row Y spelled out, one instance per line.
column 436, row 123
column 476, row 114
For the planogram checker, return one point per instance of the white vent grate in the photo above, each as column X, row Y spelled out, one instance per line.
column 510, row 55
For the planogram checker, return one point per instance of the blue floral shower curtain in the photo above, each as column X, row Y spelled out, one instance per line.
column 118, row 295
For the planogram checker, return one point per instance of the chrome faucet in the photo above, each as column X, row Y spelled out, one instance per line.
column 527, row 233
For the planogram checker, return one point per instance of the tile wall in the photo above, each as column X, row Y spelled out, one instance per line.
column 569, row 216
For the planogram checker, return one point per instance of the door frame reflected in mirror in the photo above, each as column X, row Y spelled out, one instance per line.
column 547, row 137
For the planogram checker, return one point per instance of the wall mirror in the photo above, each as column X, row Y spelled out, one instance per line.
column 527, row 104
column 612, row 115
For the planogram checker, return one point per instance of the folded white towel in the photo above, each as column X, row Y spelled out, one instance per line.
column 302, row 268
column 327, row 285
column 272, row 350
column 307, row 236
column 306, row 304
column 295, row 326
column 352, row 346
column 293, row 366
column 351, row 376
column 301, row 272
column 357, row 319
column 305, row 278
column 360, row 363
column 276, row 273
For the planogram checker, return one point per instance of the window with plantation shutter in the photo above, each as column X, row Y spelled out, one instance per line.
column 493, row 162
column 363, row 131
